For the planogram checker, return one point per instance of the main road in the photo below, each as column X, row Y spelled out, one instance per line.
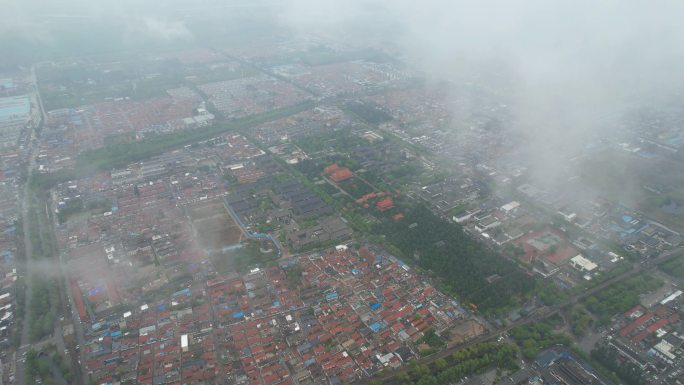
column 25, row 340
column 28, row 271
column 28, row 247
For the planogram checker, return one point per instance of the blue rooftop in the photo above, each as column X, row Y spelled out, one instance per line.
column 377, row 326
column 13, row 107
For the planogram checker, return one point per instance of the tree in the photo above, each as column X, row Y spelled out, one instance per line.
column 440, row 364
column 403, row 377
column 581, row 320
column 419, row 370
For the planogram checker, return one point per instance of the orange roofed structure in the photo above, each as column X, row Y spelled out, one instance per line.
column 385, row 204
column 341, row 174
column 331, row 169
column 337, row 173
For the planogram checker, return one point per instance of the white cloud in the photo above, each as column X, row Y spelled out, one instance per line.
column 566, row 67
column 164, row 29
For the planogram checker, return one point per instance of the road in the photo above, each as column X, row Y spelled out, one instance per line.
column 537, row 315
column 34, row 79
column 74, row 354
column 68, row 310
column 25, row 343
column 28, row 276
column 28, row 248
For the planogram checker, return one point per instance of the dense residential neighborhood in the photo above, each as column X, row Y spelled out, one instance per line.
column 306, row 211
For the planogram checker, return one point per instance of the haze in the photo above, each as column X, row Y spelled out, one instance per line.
column 463, row 172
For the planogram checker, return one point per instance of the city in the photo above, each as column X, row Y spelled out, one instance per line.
column 304, row 210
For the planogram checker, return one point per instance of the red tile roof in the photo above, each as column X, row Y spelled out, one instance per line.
column 341, row 175
column 385, row 204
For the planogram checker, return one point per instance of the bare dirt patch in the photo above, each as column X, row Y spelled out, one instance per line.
column 214, row 226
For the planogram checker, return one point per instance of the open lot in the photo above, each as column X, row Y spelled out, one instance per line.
column 215, row 228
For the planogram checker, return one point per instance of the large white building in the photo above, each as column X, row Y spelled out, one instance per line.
column 583, row 264
column 665, row 351
column 15, row 113
column 185, row 343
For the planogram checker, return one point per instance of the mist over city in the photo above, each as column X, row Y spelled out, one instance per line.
column 300, row 192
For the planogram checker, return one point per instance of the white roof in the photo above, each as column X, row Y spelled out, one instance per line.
column 671, row 297
column 510, row 206
column 583, row 263
column 665, row 348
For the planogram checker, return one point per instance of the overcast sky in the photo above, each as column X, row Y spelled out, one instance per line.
column 564, row 65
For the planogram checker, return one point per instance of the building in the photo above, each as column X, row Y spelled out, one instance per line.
column 665, row 351
column 341, row 175
column 338, row 174
column 15, row 114
column 510, row 207
column 184, row 343
column 385, row 204
column 583, row 264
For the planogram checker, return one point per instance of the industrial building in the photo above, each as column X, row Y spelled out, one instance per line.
column 15, row 113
